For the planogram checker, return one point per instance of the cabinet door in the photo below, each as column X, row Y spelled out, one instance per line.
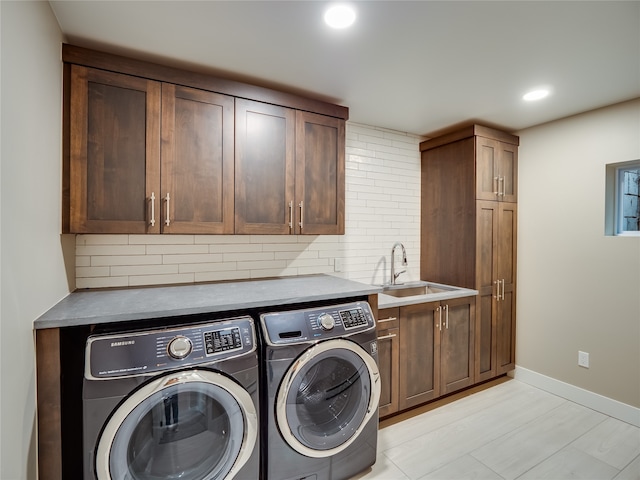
column 197, row 161
column 114, row 152
column 388, row 359
column 388, row 364
column 487, row 239
column 506, row 272
column 320, row 151
column 419, row 354
column 265, row 148
column 457, row 344
column 508, row 172
column 497, row 170
column 496, row 238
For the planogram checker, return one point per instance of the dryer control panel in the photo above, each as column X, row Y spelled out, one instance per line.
column 310, row 325
column 148, row 352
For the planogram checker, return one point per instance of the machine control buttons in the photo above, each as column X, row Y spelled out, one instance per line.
column 179, row 347
column 326, row 321
column 222, row 340
column 353, row 317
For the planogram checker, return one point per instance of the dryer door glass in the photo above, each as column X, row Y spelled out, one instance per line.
column 184, row 429
column 328, row 399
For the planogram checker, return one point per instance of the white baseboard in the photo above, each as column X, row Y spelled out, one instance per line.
column 588, row 399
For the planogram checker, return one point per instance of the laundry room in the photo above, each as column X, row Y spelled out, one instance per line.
column 239, row 243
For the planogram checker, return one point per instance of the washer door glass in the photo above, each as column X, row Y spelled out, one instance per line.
column 190, row 425
column 327, row 397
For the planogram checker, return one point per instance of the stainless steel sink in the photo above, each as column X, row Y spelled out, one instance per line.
column 415, row 288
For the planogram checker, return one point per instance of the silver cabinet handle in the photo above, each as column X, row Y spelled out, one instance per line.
column 291, row 215
column 446, row 316
column 501, row 190
column 384, row 337
column 301, row 215
column 439, row 310
column 496, row 186
column 167, row 222
column 499, row 293
column 152, row 199
column 390, row 319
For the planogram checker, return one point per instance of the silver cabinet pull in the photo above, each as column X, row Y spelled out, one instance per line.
column 390, row 319
column 167, row 222
column 439, row 310
column 152, row 199
column 384, row 337
column 499, row 292
column 501, row 190
column 291, row 215
column 446, row 316
column 301, row 215
column 496, row 186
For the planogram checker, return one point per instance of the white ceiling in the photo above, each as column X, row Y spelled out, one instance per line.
column 417, row 67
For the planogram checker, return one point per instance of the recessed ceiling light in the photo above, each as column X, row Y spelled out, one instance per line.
column 536, row 95
column 340, row 16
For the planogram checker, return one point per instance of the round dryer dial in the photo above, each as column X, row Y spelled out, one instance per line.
column 326, row 321
column 179, row 347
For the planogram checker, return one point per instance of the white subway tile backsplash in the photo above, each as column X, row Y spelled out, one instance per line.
column 108, row 260
column 382, row 206
column 210, row 258
column 117, row 249
column 176, row 249
column 144, row 280
column 130, row 270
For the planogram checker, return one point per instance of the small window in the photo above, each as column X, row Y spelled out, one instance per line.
column 623, row 198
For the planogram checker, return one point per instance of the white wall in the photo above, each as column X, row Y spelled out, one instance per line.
column 577, row 288
column 33, row 272
column 382, row 207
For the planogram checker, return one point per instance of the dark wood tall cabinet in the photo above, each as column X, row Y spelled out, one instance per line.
column 469, row 232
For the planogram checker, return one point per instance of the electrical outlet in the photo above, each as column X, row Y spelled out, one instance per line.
column 583, row 359
column 337, row 264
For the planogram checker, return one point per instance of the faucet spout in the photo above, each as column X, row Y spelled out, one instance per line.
column 394, row 275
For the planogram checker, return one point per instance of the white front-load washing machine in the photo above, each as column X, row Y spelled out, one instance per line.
column 321, row 388
column 172, row 403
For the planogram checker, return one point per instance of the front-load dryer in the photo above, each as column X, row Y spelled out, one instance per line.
column 173, row 403
column 320, row 392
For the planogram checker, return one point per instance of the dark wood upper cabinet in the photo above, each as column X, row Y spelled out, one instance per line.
column 320, row 151
column 114, row 152
column 154, row 149
column 497, row 170
column 265, row 168
column 197, row 161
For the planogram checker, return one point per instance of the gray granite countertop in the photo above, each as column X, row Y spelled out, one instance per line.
column 87, row 307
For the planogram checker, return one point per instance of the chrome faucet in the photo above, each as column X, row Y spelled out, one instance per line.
column 394, row 275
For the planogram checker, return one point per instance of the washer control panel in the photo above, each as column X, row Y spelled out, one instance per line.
column 144, row 353
column 302, row 326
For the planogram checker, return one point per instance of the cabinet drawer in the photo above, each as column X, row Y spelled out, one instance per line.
column 388, row 318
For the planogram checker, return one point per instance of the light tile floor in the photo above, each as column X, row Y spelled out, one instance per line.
column 509, row 431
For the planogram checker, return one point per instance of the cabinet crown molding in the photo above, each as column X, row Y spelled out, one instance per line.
column 467, row 132
column 153, row 71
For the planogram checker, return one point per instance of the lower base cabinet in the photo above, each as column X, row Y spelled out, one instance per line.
column 388, row 360
column 425, row 350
